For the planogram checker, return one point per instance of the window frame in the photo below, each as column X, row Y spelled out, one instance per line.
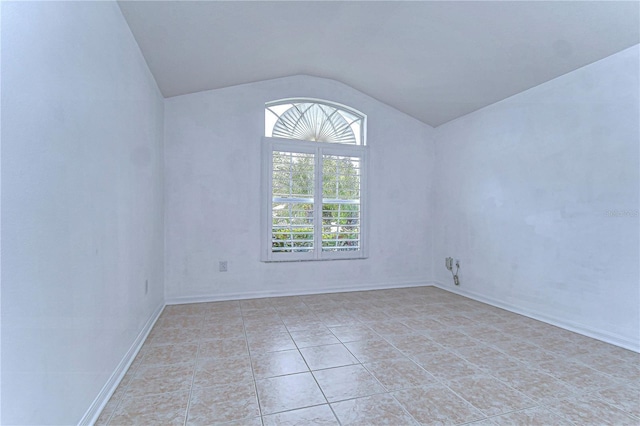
column 319, row 149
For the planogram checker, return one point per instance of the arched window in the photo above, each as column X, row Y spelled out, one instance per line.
column 312, row 120
column 314, row 167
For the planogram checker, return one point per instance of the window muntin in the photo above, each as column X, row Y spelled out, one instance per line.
column 314, row 204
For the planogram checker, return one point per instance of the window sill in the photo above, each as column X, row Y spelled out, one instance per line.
column 312, row 260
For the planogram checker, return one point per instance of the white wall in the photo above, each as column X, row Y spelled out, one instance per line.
column 82, row 204
column 523, row 193
column 212, row 198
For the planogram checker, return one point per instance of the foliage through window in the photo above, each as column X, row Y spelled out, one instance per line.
column 314, row 177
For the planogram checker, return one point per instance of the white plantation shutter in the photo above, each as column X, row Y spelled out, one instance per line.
column 316, row 121
column 292, row 201
column 340, row 203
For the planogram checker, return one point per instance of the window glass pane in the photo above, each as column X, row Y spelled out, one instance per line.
column 340, row 227
column 340, row 177
column 292, row 202
column 292, row 227
column 340, row 203
column 293, row 175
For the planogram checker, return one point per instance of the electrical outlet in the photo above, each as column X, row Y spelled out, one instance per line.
column 222, row 266
column 146, row 286
column 448, row 262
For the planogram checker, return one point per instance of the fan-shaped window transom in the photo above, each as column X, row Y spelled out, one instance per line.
column 313, row 121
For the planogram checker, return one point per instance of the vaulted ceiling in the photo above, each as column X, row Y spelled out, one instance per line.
column 435, row 61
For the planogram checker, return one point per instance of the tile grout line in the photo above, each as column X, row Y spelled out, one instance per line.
column 309, row 367
column 438, row 380
column 388, row 392
column 253, row 374
column 195, row 367
column 605, row 380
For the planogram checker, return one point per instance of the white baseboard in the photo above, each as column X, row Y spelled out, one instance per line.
column 282, row 293
column 98, row 404
column 604, row 336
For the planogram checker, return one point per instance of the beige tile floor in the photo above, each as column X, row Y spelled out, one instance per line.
column 395, row 357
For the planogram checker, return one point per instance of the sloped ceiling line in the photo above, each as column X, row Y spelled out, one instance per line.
column 435, row 61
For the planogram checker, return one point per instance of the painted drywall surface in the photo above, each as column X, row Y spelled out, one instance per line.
column 213, row 195
column 537, row 196
column 82, row 222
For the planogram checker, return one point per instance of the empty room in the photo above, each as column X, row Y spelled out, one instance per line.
column 320, row 212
